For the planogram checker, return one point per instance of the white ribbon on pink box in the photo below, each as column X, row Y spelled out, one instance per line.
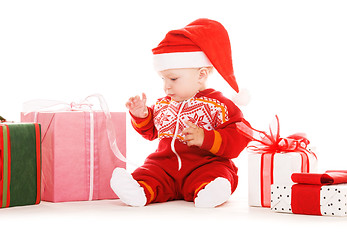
column 80, row 147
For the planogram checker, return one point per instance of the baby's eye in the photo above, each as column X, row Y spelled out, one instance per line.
column 173, row 79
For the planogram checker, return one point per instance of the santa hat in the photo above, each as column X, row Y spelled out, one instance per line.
column 201, row 43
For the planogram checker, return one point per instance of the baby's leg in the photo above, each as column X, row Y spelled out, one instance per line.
column 211, row 185
column 147, row 184
column 158, row 185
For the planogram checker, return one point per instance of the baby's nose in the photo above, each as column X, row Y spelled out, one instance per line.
column 167, row 85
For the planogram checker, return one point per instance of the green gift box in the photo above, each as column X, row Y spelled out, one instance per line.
column 20, row 164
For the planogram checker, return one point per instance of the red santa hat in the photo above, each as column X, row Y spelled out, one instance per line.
column 201, row 43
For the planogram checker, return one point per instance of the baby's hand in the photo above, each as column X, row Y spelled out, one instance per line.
column 193, row 135
column 137, row 106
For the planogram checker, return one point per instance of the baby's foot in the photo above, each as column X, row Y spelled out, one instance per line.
column 127, row 188
column 215, row 193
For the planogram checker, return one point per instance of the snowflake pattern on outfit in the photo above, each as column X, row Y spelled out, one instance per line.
column 206, row 113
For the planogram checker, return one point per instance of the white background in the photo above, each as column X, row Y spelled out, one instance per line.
column 290, row 55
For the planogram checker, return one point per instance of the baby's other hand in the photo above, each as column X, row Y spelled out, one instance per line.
column 137, row 106
column 193, row 135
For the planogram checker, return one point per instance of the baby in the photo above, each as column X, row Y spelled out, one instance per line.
column 196, row 126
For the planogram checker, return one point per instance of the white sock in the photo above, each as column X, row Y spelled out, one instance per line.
column 127, row 188
column 214, row 194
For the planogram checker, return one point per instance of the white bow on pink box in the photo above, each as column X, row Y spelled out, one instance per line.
column 81, row 147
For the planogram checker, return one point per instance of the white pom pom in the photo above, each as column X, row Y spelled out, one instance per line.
column 242, row 98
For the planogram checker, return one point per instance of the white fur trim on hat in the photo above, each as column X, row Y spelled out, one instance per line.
column 175, row 60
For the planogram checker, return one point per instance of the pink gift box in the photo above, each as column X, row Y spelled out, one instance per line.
column 77, row 160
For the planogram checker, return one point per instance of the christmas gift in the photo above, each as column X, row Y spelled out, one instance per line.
column 20, row 164
column 273, row 159
column 314, row 194
column 80, row 149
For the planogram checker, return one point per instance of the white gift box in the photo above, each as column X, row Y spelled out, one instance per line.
column 333, row 199
column 259, row 174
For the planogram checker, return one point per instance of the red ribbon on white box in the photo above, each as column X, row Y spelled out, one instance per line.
column 272, row 142
column 268, row 145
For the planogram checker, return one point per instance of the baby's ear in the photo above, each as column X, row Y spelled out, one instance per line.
column 203, row 73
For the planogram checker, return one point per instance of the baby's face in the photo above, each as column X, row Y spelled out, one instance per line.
column 182, row 83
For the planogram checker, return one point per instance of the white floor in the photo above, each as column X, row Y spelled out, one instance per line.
column 112, row 219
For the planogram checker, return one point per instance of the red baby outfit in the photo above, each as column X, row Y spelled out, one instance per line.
column 177, row 171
